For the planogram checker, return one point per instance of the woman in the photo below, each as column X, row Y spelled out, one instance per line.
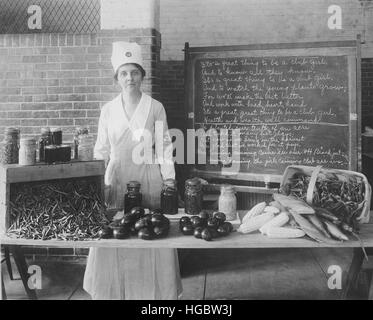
column 122, row 273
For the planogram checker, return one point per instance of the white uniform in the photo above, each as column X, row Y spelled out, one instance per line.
column 121, row 273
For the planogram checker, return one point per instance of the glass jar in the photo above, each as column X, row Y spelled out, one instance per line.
column 79, row 131
column 10, row 146
column 133, row 196
column 85, row 147
column 169, row 197
column 27, row 152
column 44, row 140
column 56, row 134
column 228, row 202
column 193, row 196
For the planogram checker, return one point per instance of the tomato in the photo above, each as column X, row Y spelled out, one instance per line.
column 220, row 216
column 106, row 232
column 213, row 223
column 128, row 220
column 198, row 232
column 197, row 221
column 204, row 215
column 160, row 232
column 121, row 232
column 145, row 233
column 138, row 212
column 142, row 223
column 206, row 234
column 187, row 229
column 228, row 225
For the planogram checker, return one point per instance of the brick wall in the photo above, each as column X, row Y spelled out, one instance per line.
column 220, row 22
column 63, row 79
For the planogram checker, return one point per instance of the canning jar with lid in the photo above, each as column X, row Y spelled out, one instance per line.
column 133, row 196
column 85, row 147
column 56, row 134
column 228, row 202
column 169, row 197
column 10, row 146
column 44, row 140
column 27, row 151
column 193, row 196
column 79, row 131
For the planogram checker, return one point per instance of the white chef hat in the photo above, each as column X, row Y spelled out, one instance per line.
column 126, row 52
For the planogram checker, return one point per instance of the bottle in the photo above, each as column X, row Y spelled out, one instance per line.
column 10, row 146
column 169, row 197
column 228, row 202
column 27, row 152
column 133, row 196
column 44, row 140
column 56, row 134
column 193, row 196
column 85, row 147
column 79, row 131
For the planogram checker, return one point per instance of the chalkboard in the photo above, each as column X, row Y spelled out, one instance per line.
column 292, row 106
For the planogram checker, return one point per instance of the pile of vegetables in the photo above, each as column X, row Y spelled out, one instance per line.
column 152, row 225
column 205, row 226
column 337, row 198
column 68, row 209
column 271, row 220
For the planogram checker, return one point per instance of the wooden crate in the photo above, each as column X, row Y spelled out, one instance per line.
column 12, row 174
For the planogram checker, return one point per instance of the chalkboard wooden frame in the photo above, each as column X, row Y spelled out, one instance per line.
column 351, row 49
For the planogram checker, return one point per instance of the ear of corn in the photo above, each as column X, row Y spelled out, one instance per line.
column 277, row 221
column 285, row 233
column 271, row 209
column 255, row 211
column 255, row 223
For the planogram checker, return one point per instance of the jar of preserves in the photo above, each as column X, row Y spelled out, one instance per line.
column 79, row 131
column 10, row 146
column 85, row 147
column 193, row 196
column 56, row 134
column 228, row 202
column 169, row 197
column 133, row 196
column 27, row 152
column 44, row 140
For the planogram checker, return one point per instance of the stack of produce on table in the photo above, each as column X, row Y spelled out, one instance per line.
column 290, row 217
column 205, row 226
column 67, row 209
column 271, row 220
column 153, row 225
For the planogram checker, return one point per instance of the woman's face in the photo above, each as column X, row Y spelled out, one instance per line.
column 129, row 77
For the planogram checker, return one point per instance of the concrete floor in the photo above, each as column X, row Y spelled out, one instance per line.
column 218, row 274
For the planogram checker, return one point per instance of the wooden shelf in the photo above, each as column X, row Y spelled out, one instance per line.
column 14, row 173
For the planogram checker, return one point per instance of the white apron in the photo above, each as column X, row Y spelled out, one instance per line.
column 123, row 273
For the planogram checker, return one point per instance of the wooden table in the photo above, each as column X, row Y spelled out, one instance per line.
column 235, row 240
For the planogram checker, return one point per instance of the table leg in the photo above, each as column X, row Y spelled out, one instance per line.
column 20, row 261
column 8, row 263
column 353, row 272
column 3, row 293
